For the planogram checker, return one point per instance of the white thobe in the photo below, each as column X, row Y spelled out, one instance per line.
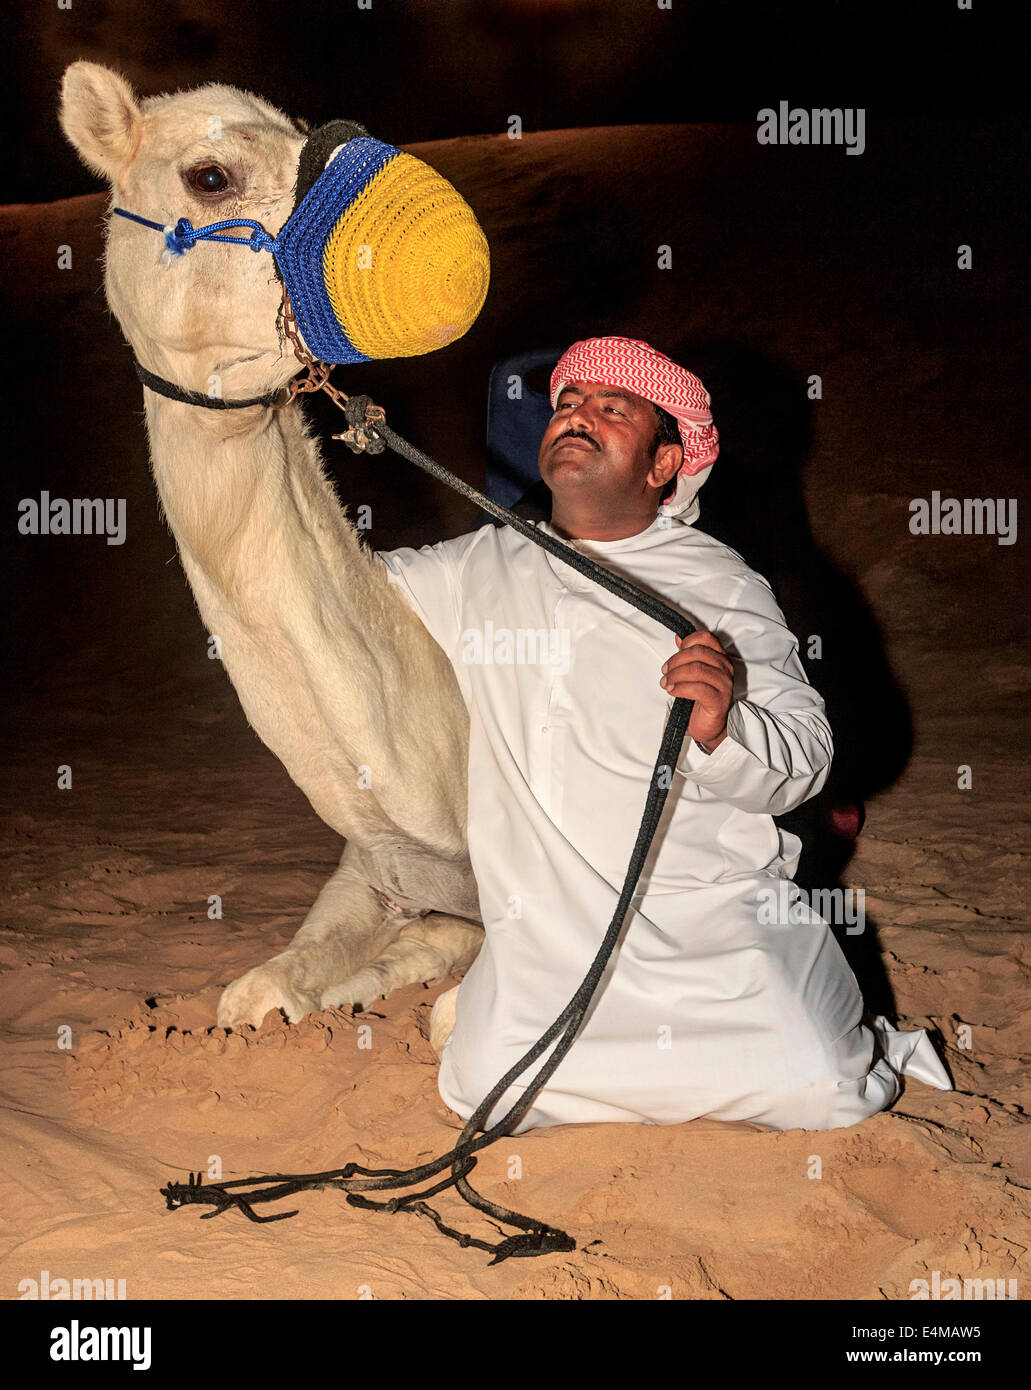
column 707, row 1008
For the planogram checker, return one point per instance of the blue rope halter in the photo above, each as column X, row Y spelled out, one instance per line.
column 184, row 235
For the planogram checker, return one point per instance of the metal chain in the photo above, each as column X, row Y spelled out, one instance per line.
column 316, row 375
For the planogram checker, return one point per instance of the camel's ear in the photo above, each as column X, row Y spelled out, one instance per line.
column 100, row 116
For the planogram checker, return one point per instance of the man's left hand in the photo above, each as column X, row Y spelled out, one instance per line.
column 703, row 672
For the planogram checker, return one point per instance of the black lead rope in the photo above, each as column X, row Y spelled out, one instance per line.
column 537, row 1238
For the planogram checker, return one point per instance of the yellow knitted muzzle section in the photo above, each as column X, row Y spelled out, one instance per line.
column 406, row 266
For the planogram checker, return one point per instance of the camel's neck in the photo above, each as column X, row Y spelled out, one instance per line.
column 237, row 486
column 333, row 668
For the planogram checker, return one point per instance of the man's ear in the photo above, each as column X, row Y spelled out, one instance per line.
column 667, row 461
column 101, row 118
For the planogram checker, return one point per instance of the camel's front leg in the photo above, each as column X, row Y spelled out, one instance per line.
column 346, row 928
column 427, row 950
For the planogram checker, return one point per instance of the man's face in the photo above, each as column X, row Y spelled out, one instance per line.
column 598, row 443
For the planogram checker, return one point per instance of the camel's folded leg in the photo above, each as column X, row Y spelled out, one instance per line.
column 427, row 950
column 346, row 928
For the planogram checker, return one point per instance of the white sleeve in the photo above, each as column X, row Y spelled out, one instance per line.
column 778, row 748
column 429, row 579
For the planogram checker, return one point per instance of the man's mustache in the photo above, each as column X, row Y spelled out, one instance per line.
column 575, row 434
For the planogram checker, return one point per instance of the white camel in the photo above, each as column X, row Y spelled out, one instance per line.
column 334, row 671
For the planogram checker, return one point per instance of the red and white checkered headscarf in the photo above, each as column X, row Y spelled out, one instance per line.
column 642, row 369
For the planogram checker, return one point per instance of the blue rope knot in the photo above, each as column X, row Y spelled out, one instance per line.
column 184, row 235
column 181, row 237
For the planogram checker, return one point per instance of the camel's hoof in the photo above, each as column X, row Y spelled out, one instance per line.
column 248, row 999
column 359, row 991
column 442, row 1019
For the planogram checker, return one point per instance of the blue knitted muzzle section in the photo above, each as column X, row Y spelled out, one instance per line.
column 299, row 246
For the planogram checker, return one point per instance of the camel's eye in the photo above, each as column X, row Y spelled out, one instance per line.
column 207, row 178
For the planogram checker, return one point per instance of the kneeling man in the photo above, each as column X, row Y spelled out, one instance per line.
column 707, row 1008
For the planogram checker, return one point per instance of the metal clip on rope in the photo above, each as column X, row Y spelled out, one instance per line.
column 363, row 418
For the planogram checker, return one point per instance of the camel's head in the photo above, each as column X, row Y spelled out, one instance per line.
column 383, row 258
column 208, row 155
